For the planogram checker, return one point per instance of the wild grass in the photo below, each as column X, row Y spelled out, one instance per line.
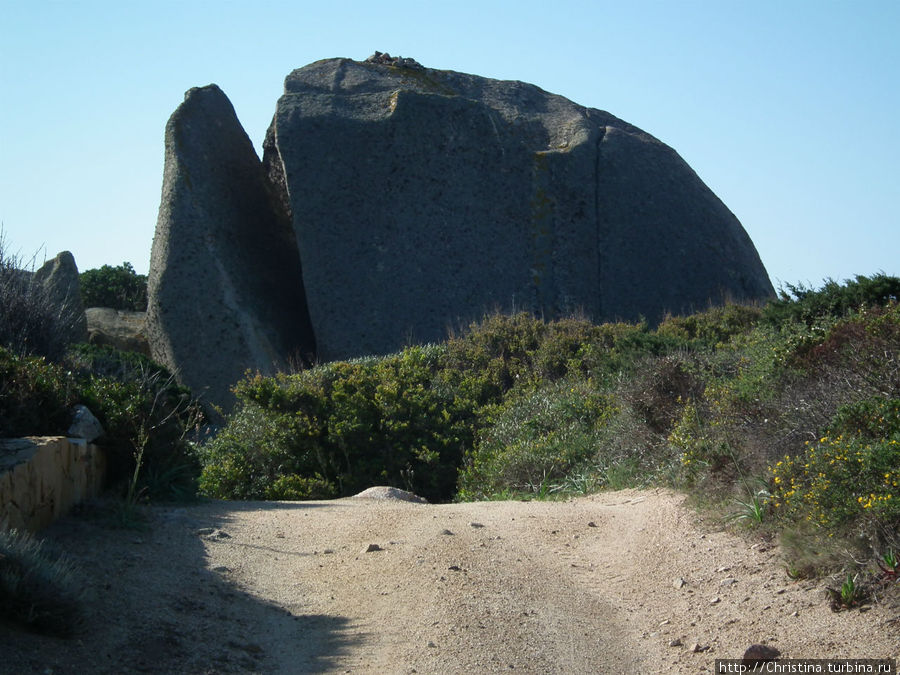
column 39, row 589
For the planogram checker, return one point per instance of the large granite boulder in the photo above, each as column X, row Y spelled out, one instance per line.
column 225, row 290
column 61, row 284
column 417, row 200
column 421, row 198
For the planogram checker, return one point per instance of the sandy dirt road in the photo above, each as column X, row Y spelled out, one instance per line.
column 623, row 582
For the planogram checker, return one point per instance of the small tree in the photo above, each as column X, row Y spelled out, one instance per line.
column 117, row 287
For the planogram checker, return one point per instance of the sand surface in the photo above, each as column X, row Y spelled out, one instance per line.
column 622, row 582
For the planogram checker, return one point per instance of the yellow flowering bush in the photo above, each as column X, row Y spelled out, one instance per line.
column 701, row 440
column 846, row 474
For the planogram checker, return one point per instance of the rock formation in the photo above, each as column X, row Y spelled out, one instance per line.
column 225, row 291
column 117, row 328
column 419, row 199
column 59, row 278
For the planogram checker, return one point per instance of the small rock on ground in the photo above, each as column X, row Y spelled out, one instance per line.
column 385, row 492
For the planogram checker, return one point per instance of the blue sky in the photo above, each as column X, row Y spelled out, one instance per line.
column 787, row 109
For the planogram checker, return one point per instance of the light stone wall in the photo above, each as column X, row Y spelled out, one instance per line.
column 41, row 478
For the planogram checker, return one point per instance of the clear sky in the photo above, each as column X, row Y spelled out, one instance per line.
column 788, row 109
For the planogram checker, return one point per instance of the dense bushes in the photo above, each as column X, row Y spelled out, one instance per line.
column 146, row 415
column 536, row 440
column 845, row 477
column 810, row 412
column 849, row 476
column 716, row 326
column 35, row 396
column 797, row 400
column 417, row 418
column 340, row 428
column 512, row 404
column 117, row 287
column 833, row 300
column 143, row 412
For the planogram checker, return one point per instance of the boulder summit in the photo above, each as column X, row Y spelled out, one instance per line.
column 395, row 201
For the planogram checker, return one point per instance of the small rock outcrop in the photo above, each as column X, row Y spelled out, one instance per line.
column 61, row 283
column 384, row 59
column 386, row 493
column 225, row 289
column 416, row 200
column 117, row 328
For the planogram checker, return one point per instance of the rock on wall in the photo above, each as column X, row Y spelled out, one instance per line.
column 225, row 289
column 42, row 478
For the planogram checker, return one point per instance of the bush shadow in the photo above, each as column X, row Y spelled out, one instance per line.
column 151, row 604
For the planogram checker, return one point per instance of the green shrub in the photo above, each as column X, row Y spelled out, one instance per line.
column 874, row 418
column 715, row 326
column 848, row 476
column 145, row 415
column 536, row 440
column 619, row 350
column 35, row 396
column 493, row 356
column 514, row 404
column 407, row 419
column 772, row 388
column 38, row 589
column 846, row 480
column 833, row 300
column 703, row 445
column 851, row 360
column 503, row 353
column 754, row 367
column 117, row 287
column 255, row 448
column 106, row 361
column 562, row 349
column 141, row 409
column 147, row 418
column 717, row 404
column 296, row 488
column 351, row 424
column 865, row 342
